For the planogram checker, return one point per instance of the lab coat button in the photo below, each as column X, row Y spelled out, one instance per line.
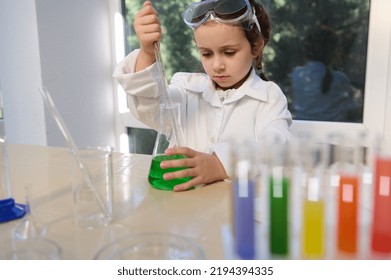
column 212, row 139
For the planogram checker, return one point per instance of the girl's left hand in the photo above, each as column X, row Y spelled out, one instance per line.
column 202, row 167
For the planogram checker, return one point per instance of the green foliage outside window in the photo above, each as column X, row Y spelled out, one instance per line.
column 178, row 48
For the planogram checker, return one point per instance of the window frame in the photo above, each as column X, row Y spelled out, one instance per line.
column 377, row 98
column 377, row 86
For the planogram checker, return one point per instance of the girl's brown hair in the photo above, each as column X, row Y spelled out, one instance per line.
column 253, row 35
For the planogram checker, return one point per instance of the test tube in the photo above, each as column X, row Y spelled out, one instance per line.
column 5, row 191
column 381, row 225
column 9, row 210
column 279, row 184
column 2, row 125
column 243, row 201
column 348, row 194
column 314, row 160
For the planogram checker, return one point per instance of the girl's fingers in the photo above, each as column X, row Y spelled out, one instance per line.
column 147, row 3
column 185, row 162
column 185, row 186
column 181, row 151
column 179, row 174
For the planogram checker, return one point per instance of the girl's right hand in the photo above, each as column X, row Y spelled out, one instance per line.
column 148, row 29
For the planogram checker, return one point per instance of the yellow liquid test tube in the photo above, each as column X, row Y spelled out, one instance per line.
column 313, row 229
column 313, row 233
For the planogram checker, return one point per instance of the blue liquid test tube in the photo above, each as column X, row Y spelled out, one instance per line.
column 243, row 208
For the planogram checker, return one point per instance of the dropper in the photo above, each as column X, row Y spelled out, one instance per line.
column 71, row 145
column 164, row 86
column 162, row 74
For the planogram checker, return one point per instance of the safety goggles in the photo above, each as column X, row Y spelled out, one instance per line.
column 222, row 11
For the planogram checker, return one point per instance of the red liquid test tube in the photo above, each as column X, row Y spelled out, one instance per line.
column 381, row 226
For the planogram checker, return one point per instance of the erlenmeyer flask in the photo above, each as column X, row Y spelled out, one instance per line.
column 170, row 134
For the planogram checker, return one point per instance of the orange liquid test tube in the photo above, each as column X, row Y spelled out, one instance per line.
column 381, row 226
column 347, row 214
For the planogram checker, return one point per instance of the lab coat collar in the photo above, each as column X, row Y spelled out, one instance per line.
column 253, row 87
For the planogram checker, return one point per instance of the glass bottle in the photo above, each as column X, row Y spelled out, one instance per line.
column 170, row 135
column 9, row 210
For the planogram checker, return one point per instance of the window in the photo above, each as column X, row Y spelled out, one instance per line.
column 141, row 140
column 376, row 118
column 358, row 32
column 318, row 56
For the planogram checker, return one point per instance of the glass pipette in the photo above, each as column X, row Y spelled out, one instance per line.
column 163, row 84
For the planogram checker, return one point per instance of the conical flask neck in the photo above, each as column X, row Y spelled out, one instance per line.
column 170, row 132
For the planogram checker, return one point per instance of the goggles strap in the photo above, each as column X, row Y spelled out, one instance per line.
column 255, row 20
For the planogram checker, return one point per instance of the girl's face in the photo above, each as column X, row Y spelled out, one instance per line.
column 225, row 52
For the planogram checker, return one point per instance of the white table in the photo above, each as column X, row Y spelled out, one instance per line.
column 199, row 214
column 138, row 208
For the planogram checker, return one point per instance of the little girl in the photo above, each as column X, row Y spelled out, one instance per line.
column 229, row 102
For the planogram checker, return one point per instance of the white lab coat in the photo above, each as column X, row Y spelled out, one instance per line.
column 209, row 120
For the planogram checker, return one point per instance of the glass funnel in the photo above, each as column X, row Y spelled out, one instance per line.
column 170, row 135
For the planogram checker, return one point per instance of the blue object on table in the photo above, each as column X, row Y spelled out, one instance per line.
column 9, row 210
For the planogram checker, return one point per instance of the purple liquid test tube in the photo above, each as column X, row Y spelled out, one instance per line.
column 243, row 212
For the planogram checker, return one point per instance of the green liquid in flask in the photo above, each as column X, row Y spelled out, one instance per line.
column 155, row 177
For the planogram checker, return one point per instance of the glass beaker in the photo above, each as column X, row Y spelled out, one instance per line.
column 170, row 135
column 93, row 201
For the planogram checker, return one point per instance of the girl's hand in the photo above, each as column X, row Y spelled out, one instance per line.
column 202, row 167
column 148, row 31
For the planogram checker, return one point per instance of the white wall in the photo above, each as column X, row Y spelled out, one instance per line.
column 66, row 46
column 20, row 74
